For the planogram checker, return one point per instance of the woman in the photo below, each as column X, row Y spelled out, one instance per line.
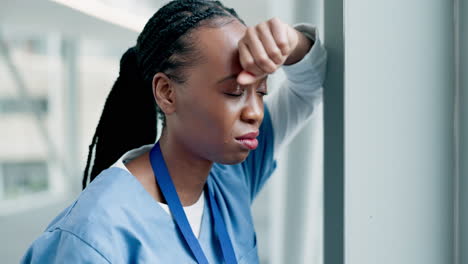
column 186, row 198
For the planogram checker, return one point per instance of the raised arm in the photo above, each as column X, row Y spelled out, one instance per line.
column 295, row 101
column 265, row 48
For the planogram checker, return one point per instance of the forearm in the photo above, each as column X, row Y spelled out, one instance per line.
column 294, row 102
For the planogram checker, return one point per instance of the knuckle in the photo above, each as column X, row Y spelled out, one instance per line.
column 282, row 44
column 275, row 54
column 274, row 20
column 250, row 31
column 263, row 60
column 284, row 47
column 262, row 26
column 248, row 63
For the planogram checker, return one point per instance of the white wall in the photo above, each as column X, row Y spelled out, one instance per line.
column 398, row 132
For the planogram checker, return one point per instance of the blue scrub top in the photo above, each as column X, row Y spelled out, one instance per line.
column 114, row 220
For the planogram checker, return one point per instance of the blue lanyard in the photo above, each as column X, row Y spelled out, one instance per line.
column 169, row 192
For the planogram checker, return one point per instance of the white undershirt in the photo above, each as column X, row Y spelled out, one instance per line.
column 193, row 212
column 291, row 106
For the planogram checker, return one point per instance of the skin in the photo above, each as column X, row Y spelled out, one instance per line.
column 203, row 116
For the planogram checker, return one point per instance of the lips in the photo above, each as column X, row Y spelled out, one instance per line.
column 251, row 135
column 249, row 140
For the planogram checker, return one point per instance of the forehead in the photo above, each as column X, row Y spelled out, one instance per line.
column 218, row 47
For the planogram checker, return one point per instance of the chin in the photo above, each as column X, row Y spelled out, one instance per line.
column 234, row 159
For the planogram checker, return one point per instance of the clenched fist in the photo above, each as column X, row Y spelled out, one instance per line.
column 267, row 46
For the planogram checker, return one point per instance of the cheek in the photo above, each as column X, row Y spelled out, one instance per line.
column 209, row 118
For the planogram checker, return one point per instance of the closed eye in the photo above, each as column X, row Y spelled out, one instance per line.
column 238, row 95
column 233, row 95
column 261, row 90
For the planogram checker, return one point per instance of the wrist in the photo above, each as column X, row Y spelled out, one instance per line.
column 303, row 46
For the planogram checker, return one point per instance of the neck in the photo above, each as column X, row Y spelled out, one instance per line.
column 188, row 171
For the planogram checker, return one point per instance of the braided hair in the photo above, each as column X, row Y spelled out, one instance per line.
column 164, row 45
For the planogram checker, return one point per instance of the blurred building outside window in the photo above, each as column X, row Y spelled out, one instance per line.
column 26, row 63
column 35, row 113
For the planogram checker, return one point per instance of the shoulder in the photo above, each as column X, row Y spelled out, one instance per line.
column 59, row 245
column 100, row 202
column 101, row 218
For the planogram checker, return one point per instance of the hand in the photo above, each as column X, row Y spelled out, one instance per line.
column 267, row 46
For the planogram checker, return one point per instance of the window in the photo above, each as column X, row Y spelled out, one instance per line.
column 10, row 105
column 31, row 116
column 20, row 178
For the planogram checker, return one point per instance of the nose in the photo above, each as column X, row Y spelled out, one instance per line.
column 252, row 111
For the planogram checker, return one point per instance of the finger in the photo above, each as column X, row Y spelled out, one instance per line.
column 269, row 44
column 245, row 78
column 258, row 52
column 279, row 32
column 247, row 61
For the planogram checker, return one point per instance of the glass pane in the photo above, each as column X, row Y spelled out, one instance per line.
column 27, row 111
column 25, row 177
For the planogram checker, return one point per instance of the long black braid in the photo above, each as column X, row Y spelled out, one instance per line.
column 129, row 117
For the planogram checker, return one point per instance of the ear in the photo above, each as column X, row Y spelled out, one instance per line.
column 163, row 92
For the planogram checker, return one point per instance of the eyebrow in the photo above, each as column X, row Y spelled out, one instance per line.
column 232, row 76
column 228, row 77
